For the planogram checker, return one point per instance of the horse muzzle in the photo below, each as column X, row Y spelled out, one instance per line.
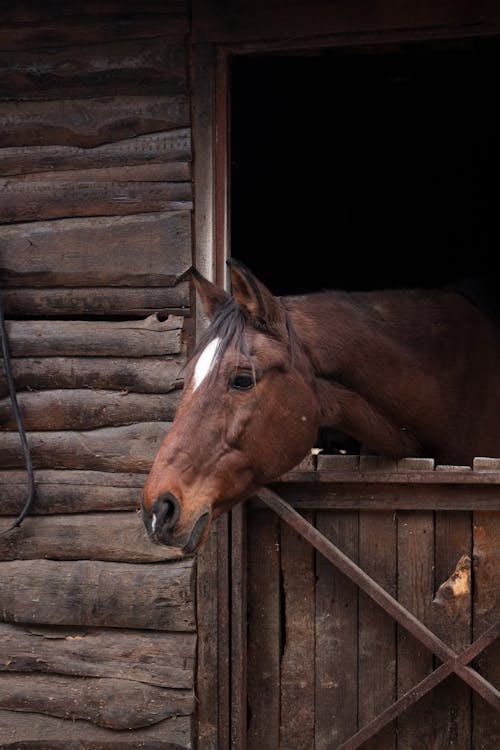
column 162, row 524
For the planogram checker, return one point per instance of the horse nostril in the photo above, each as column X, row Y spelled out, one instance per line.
column 165, row 512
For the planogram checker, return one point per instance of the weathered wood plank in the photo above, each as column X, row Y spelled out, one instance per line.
column 157, row 66
column 486, row 557
column 257, row 21
column 415, row 592
column 131, row 448
column 103, row 251
column 112, row 537
column 336, row 635
column 35, row 25
column 87, row 409
column 67, row 338
column 452, row 622
column 156, row 658
column 90, row 122
column 171, row 149
column 264, row 631
column 26, row 731
column 98, row 192
column 121, row 595
column 59, row 491
column 297, row 662
column 103, row 301
column 377, row 631
column 110, row 703
column 154, row 375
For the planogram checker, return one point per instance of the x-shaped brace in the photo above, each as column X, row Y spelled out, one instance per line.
column 452, row 662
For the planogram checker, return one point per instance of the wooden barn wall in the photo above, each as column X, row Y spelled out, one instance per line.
column 97, row 627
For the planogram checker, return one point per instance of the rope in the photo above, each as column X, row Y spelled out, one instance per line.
column 22, row 434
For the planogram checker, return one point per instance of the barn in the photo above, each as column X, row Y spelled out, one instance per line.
column 355, row 602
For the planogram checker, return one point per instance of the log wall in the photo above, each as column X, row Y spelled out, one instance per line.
column 97, row 626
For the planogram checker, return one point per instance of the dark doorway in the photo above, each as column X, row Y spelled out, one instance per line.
column 362, row 169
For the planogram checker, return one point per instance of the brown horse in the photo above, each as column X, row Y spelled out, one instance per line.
column 405, row 373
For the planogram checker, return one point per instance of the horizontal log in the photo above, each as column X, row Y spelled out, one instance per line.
column 67, row 338
column 87, row 409
column 171, row 149
column 33, row 25
column 23, row 731
column 139, row 250
column 91, row 193
column 111, row 537
column 111, row 703
column 99, row 301
column 127, row 68
column 98, row 594
column 90, row 122
column 59, row 491
column 131, row 448
column 154, row 375
column 149, row 656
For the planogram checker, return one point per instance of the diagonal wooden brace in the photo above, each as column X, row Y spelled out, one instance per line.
column 451, row 661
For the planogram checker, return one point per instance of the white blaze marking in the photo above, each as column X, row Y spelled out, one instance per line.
column 153, row 523
column 205, row 362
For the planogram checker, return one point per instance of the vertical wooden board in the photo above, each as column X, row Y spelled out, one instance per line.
column 451, row 621
column 264, row 630
column 486, row 731
column 239, row 627
column 377, row 630
column 336, row 635
column 415, row 592
column 297, row 664
column 207, row 628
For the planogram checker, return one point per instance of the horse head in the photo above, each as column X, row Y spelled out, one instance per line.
column 247, row 414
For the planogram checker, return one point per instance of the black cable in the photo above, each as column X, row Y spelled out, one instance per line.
column 17, row 413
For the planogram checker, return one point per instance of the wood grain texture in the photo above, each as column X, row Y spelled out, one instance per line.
column 36, row 25
column 99, row 594
column 32, row 731
column 129, row 68
column 100, row 192
column 60, row 491
column 264, row 631
column 151, row 375
column 90, row 122
column 112, row 537
column 67, row 338
column 109, row 251
column 155, row 658
column 486, row 556
column 336, row 652
column 96, row 302
column 85, row 409
column 377, row 665
column 105, row 702
column 130, row 449
column 171, row 149
column 415, row 592
column 297, row 662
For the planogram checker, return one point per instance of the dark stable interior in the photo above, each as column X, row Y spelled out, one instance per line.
column 367, row 168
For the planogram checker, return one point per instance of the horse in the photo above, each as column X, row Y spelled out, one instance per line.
column 413, row 372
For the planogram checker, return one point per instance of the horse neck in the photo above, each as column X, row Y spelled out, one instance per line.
column 366, row 343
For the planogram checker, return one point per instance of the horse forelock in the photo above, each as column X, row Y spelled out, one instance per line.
column 226, row 329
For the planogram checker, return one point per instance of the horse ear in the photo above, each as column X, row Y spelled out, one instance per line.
column 212, row 296
column 261, row 308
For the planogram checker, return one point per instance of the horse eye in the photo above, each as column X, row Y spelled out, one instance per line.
column 242, row 381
